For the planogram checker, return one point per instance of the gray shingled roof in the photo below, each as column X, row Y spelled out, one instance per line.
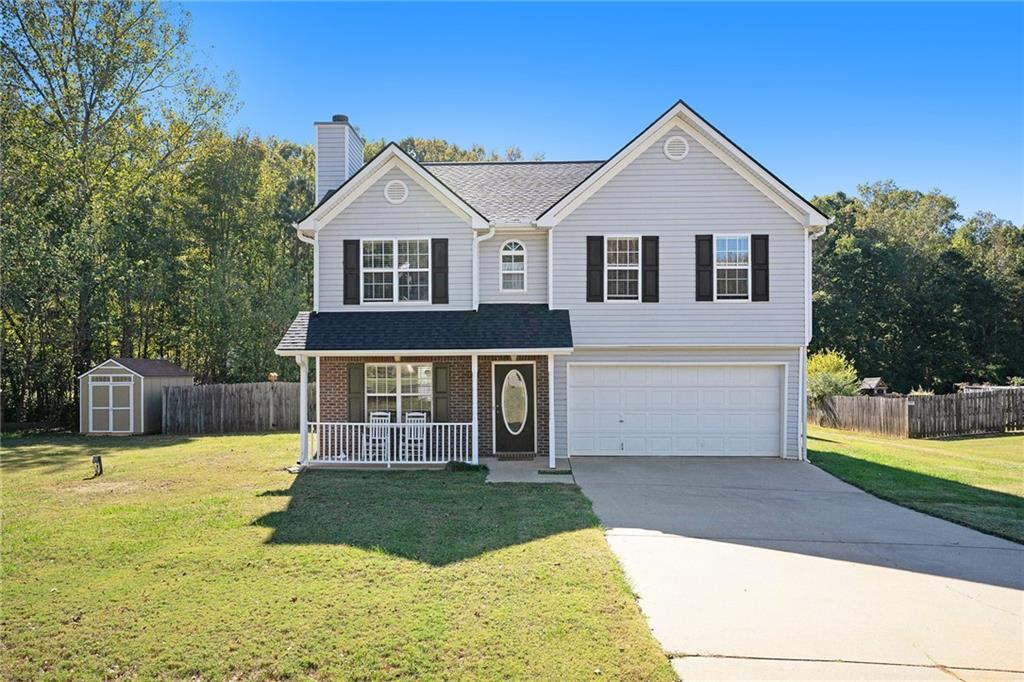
column 504, row 326
column 512, row 192
column 153, row 368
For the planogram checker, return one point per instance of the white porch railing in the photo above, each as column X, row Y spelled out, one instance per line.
column 387, row 444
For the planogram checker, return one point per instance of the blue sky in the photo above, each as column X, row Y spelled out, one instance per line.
column 827, row 96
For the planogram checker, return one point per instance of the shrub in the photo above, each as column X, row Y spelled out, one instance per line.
column 830, row 373
column 921, row 390
column 1015, row 381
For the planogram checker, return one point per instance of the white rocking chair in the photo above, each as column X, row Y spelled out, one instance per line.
column 377, row 437
column 413, row 446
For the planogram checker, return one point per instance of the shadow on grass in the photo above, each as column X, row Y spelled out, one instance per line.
column 61, row 452
column 989, row 511
column 436, row 517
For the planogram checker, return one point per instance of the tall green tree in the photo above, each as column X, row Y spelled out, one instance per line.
column 437, row 149
column 912, row 292
column 101, row 101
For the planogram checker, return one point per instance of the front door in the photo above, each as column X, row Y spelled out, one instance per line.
column 515, row 403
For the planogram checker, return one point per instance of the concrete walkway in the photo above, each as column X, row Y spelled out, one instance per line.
column 525, row 470
column 767, row 569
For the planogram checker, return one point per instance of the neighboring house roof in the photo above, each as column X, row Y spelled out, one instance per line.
column 145, row 367
column 391, row 156
column 509, row 192
column 873, row 382
column 504, row 326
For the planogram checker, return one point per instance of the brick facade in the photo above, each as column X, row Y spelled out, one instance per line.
column 334, row 385
column 333, row 391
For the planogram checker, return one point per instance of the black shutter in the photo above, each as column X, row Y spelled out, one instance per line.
column 438, row 270
column 441, row 395
column 705, row 268
column 350, row 266
column 356, row 392
column 650, row 274
column 759, row 267
column 595, row 269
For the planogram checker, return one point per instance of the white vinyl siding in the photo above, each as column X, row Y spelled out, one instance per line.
column 791, row 382
column 536, row 244
column 677, row 200
column 421, row 216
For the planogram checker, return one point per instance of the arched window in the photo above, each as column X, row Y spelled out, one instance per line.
column 513, row 266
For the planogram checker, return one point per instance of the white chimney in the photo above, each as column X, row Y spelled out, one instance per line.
column 339, row 153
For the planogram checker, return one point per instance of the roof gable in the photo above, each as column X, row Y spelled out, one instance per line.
column 142, row 367
column 680, row 116
column 392, row 156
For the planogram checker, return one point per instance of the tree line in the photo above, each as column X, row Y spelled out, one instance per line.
column 135, row 224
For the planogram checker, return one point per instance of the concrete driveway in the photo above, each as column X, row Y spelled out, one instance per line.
column 768, row 569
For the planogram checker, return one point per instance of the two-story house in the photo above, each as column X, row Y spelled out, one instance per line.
column 656, row 303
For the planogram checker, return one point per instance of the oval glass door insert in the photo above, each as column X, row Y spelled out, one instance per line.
column 514, row 402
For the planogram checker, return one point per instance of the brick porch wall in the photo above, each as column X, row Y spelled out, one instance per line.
column 334, row 385
column 334, row 391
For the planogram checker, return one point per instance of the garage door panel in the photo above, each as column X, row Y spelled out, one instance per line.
column 634, row 399
column 675, row 409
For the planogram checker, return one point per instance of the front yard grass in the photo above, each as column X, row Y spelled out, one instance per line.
column 974, row 481
column 202, row 558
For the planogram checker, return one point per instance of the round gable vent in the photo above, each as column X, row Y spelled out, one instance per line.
column 396, row 192
column 676, row 148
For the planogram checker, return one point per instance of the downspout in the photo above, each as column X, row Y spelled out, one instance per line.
column 316, row 264
column 476, row 263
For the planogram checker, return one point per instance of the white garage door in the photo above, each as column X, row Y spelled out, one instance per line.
column 675, row 409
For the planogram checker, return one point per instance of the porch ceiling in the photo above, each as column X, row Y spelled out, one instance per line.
column 494, row 327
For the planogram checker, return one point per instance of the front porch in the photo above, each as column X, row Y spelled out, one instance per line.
column 476, row 385
column 422, row 411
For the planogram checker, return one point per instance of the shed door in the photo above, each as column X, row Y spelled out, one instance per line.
column 675, row 410
column 111, row 408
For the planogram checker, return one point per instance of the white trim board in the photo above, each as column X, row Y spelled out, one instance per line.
column 389, row 158
column 106, row 362
column 437, row 352
column 784, row 388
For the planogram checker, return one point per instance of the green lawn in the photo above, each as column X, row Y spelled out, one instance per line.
column 202, row 558
column 974, row 481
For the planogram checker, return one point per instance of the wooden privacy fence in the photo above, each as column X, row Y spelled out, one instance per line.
column 925, row 416
column 234, row 408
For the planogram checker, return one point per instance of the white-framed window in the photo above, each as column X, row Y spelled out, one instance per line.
column 622, row 268
column 732, row 267
column 395, row 270
column 512, row 262
column 399, row 388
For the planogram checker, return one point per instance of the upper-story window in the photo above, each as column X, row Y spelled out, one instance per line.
column 396, row 270
column 513, row 266
column 622, row 268
column 732, row 267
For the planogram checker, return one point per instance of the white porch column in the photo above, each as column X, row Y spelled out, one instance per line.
column 551, row 410
column 303, row 362
column 476, row 418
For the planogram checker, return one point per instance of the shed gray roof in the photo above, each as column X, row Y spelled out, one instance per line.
column 505, row 326
column 872, row 382
column 512, row 191
column 153, row 368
